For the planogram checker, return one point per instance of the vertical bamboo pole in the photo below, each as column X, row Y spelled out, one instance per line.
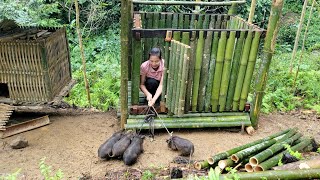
column 135, row 79
column 170, row 74
column 179, row 79
column 148, row 41
column 161, row 26
column 82, row 52
column 175, row 21
column 296, row 42
column 197, row 70
column 193, row 21
column 168, row 23
column 268, row 49
column 242, row 71
column 186, row 22
column 233, row 9
column 204, row 71
column 206, row 21
column 175, row 77
column 155, row 25
column 186, row 59
column 234, row 70
column 250, row 67
column 218, row 71
column 124, row 61
column 181, row 23
column 252, row 9
column 226, row 71
column 200, row 22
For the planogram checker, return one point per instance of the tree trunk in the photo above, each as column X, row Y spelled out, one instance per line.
column 84, row 69
column 252, row 10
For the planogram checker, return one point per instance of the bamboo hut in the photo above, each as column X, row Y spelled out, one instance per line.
column 209, row 63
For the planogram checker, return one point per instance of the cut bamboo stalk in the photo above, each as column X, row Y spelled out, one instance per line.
column 312, row 163
column 199, row 24
column 193, row 45
column 268, row 49
column 136, row 61
column 226, row 71
column 258, row 158
column 148, row 41
column 242, row 71
column 204, row 71
column 225, row 163
column 175, row 77
column 214, row 159
column 206, row 22
column 201, row 165
column 184, row 80
column 218, row 72
column 234, row 70
column 248, row 167
column 179, row 78
column 181, row 23
column 170, row 73
column 186, row 22
column 226, row 114
column 268, row 164
column 161, row 26
column 197, row 71
column 155, row 25
column 250, row 67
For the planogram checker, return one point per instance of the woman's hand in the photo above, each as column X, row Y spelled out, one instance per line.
column 151, row 102
column 149, row 97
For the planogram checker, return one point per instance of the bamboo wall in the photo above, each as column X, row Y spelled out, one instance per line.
column 223, row 51
column 35, row 70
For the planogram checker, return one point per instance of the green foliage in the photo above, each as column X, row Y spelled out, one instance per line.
column 318, row 150
column 147, row 175
column 233, row 172
column 33, row 12
column 280, row 162
column 293, row 153
column 103, row 71
column 13, row 176
column 46, row 171
column 212, row 175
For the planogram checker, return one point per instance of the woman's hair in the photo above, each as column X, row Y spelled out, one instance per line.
column 155, row 52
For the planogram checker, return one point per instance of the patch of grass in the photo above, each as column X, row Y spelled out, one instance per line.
column 13, row 176
column 147, row 175
column 296, row 154
column 46, row 171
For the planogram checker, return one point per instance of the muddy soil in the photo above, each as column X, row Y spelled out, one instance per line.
column 70, row 143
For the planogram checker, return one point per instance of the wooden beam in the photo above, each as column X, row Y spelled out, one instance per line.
column 192, row 3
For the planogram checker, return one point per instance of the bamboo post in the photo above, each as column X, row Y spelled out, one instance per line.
column 218, row 72
column 186, row 21
column 195, row 3
column 296, row 42
column 197, row 71
column 226, row 71
column 252, row 9
column 250, row 67
column 233, row 9
column 124, row 61
column 179, row 77
column 234, row 70
column 186, row 59
column 242, row 71
column 86, row 83
column 268, row 49
column 170, row 73
column 155, row 25
column 204, row 69
column 135, row 79
column 199, row 24
column 175, row 77
column 161, row 26
column 148, row 41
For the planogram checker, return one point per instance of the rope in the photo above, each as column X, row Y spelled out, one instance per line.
column 161, row 121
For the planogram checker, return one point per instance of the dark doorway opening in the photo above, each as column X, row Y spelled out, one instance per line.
column 4, row 91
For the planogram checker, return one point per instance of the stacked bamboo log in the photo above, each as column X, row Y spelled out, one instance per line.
column 260, row 155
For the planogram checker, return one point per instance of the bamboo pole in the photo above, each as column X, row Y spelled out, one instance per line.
column 233, row 9
column 296, row 42
column 84, row 69
column 218, row 72
column 303, row 43
column 226, row 71
column 214, row 159
column 200, row 21
column 204, row 71
column 136, row 61
column 213, row 57
column 274, row 175
column 312, row 163
column 268, row 164
column 201, row 165
column 179, row 77
column 148, row 41
column 184, row 79
column 196, row 3
column 249, row 71
column 252, row 9
column 234, row 70
column 124, row 61
column 197, row 70
column 170, row 73
column 155, row 25
column 175, row 77
column 242, row 71
column 218, row 114
column 268, row 50
column 258, row 158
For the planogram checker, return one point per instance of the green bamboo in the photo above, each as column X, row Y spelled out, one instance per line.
column 268, row 164
column 268, row 49
column 201, row 165
column 197, row 70
column 170, row 73
column 214, row 50
column 218, row 22
column 275, row 175
column 234, row 70
column 222, row 114
column 200, row 21
column 236, row 157
column 193, row 21
column 175, row 21
column 242, row 71
column 179, row 77
column 137, row 57
column 214, row 159
column 155, row 25
column 226, row 3
column 124, row 61
column 218, row 72
column 230, row 163
column 169, row 21
column 255, row 160
column 226, row 71
column 233, row 9
column 186, row 22
column 148, row 41
column 175, row 77
column 193, row 45
column 181, row 23
column 206, row 22
column 204, row 71
column 250, row 67
column 184, row 79
column 161, row 26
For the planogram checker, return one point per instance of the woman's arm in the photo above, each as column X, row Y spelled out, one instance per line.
column 158, row 93
column 143, row 87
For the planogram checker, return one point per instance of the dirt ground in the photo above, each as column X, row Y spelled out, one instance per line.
column 71, row 143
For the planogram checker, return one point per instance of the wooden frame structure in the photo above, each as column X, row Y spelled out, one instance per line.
column 209, row 61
